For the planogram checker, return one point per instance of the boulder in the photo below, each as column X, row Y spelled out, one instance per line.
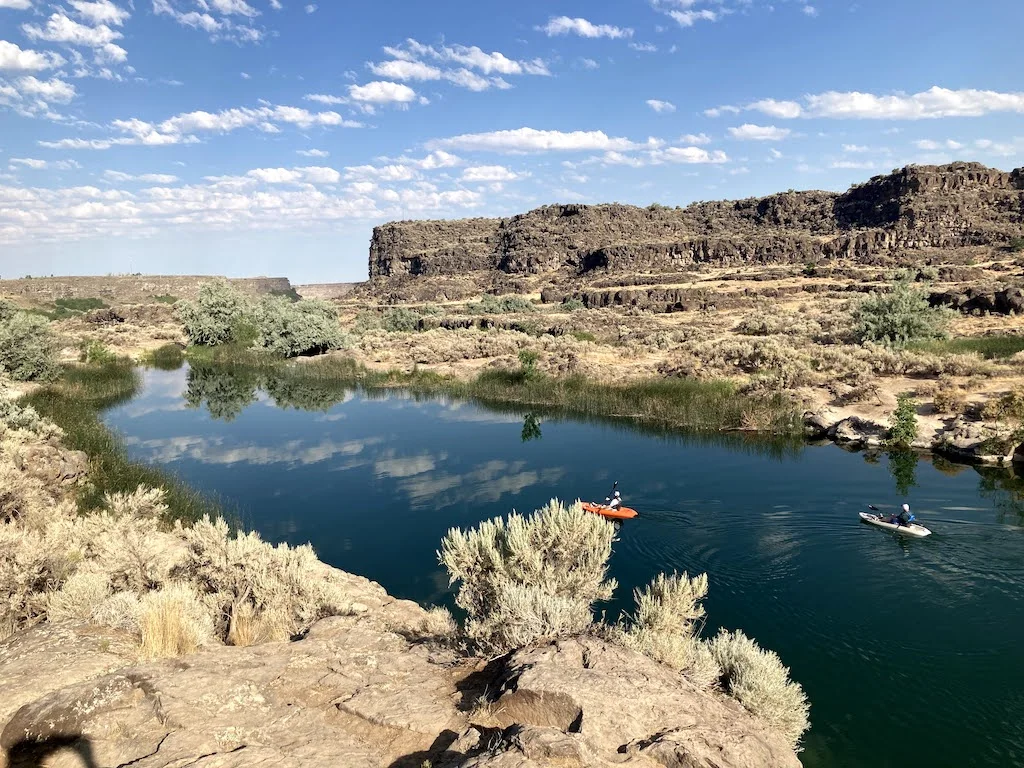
column 977, row 442
column 856, row 432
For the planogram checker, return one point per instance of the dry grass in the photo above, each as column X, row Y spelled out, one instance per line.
column 173, row 622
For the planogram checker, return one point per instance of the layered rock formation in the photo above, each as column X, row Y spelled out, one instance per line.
column 361, row 691
column 950, row 206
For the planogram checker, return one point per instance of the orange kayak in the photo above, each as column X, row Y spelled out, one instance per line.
column 622, row 513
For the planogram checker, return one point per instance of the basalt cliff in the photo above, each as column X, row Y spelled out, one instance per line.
column 912, row 209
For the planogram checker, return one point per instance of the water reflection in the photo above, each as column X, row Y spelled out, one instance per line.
column 531, row 428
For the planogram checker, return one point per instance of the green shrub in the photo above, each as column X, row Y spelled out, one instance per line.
column 584, row 336
column 530, row 577
column 759, row 680
column 1017, row 245
column 169, row 357
column 903, row 423
column 80, row 305
column 528, row 360
column 28, row 349
column 572, row 305
column 96, row 352
column 501, row 305
column 290, row 329
column 400, row 320
column 989, row 347
column 216, row 316
column 899, row 317
column 166, row 298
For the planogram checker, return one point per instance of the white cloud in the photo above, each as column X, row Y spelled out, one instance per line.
column 14, row 58
column 313, row 152
column 309, row 175
column 382, row 92
column 312, row 8
column 99, row 12
column 147, row 178
column 223, row 28
column 698, row 138
column 489, row 173
column 405, row 70
column 719, row 111
column 690, row 155
column 784, row 109
column 61, row 29
column 857, row 165
column 855, row 148
column 589, row 64
column 809, row 10
column 661, row 106
column 325, row 98
column 534, row 140
column 471, row 57
column 563, row 25
column 929, row 145
column 751, row 132
column 439, row 159
column 16, row 5
column 644, row 47
column 53, row 89
column 934, row 103
column 180, row 129
column 689, row 18
column 29, row 162
column 397, row 172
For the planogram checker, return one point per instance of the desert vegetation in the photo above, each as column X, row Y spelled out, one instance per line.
column 527, row 579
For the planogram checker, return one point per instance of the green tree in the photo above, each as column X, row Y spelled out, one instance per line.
column 903, row 422
column 899, row 317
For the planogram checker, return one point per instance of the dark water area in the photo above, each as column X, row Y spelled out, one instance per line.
column 911, row 651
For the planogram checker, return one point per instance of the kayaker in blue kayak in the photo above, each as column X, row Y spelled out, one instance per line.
column 903, row 518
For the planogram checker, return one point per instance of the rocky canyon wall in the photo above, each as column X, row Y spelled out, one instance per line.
column 950, row 206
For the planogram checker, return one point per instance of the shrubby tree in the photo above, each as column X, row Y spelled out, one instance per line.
column 216, row 316
column 899, row 317
column 290, row 329
column 28, row 348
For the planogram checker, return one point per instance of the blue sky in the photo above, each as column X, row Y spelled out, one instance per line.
column 249, row 137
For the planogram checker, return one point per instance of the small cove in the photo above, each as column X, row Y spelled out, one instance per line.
column 879, row 631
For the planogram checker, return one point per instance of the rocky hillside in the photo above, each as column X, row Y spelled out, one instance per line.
column 130, row 289
column 917, row 207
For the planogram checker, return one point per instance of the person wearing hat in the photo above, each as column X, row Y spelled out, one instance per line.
column 614, row 501
column 903, row 518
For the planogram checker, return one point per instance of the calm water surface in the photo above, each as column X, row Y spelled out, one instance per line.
column 912, row 652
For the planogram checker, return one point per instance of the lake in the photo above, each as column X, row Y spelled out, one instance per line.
column 911, row 652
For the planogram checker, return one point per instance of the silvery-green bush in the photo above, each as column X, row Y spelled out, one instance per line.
column 760, row 681
column 290, row 329
column 216, row 315
column 28, row 348
column 528, row 578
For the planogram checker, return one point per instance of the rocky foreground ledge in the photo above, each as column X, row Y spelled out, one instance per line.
column 365, row 690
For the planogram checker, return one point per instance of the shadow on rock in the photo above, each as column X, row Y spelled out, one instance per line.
column 30, row 753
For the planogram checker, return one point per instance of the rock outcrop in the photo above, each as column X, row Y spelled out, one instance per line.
column 361, row 691
column 950, row 206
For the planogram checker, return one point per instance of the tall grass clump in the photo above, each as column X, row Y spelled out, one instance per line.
column 899, row 317
column 28, row 348
column 173, row 622
column 761, row 683
column 169, row 357
column 217, row 316
column 528, row 578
